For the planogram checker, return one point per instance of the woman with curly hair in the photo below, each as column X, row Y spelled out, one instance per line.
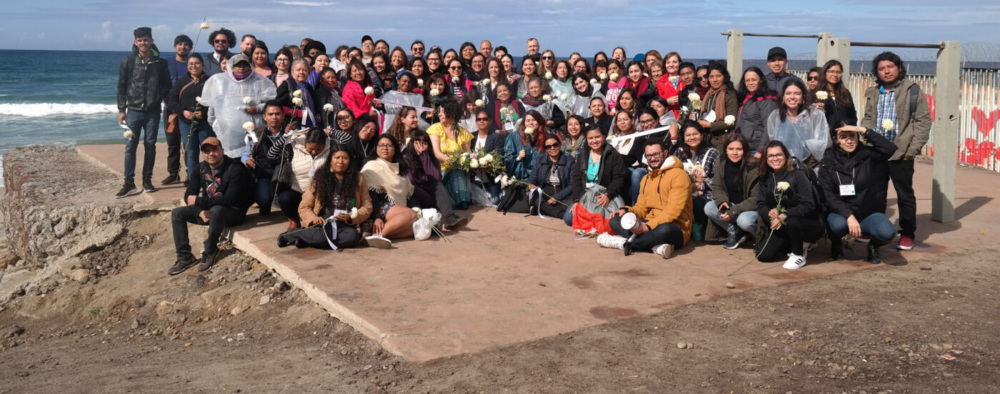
column 522, row 148
column 448, row 140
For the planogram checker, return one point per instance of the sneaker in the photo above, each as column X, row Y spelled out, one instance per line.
column 455, row 221
column 147, row 186
column 611, row 241
column 207, row 261
column 182, row 265
column 905, row 243
column 864, row 239
column 378, row 242
column 734, row 239
column 794, row 262
column 665, row 250
column 128, row 189
column 170, row 179
column 282, row 241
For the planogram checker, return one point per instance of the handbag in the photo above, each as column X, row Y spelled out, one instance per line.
column 589, row 201
column 171, row 126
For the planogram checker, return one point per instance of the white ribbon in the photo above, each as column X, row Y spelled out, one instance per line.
column 641, row 134
column 403, row 105
column 537, row 191
column 332, row 221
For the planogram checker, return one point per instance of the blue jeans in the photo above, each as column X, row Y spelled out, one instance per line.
column 265, row 195
column 746, row 221
column 289, row 201
column 145, row 124
column 635, row 174
column 192, row 148
column 568, row 216
column 875, row 225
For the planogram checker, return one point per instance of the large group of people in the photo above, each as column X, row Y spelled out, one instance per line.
column 646, row 154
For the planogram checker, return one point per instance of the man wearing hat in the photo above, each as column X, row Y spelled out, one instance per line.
column 777, row 59
column 218, row 197
column 143, row 83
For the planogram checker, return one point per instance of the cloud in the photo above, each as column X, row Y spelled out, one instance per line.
column 106, row 34
column 306, row 3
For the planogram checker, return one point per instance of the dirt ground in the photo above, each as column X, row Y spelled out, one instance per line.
column 238, row 328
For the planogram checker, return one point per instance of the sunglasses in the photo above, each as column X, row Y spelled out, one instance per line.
column 455, row 68
column 221, row 41
column 482, row 119
column 343, row 118
column 813, row 78
column 551, row 146
column 547, row 57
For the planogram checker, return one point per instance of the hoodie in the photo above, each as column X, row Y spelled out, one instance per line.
column 665, row 197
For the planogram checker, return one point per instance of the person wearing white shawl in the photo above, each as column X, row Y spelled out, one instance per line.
column 235, row 98
column 803, row 130
column 389, row 189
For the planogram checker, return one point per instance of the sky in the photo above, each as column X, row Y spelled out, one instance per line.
column 692, row 28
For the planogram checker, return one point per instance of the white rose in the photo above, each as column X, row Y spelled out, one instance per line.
column 688, row 167
column 672, row 78
column 297, row 101
column 128, row 134
column 420, row 82
column 483, row 161
column 614, row 75
column 474, row 164
column 694, row 97
column 593, row 81
column 685, row 109
column 488, row 157
column 197, row 99
column 504, row 181
column 729, row 119
column 548, row 75
column 248, row 126
column 417, row 210
column 479, row 103
column 529, row 130
column 297, row 93
column 822, row 95
column 435, row 92
column 247, row 100
column 328, row 107
column 454, row 79
column 354, row 213
column 547, row 98
column 564, row 97
column 887, row 125
column 782, row 186
column 603, row 76
column 204, row 25
column 369, row 91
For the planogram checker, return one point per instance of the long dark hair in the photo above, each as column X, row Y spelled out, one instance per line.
column 590, row 88
column 328, row 186
column 705, row 143
column 739, row 138
column 727, row 80
column 766, row 169
column 843, row 96
column 782, row 108
column 540, row 134
column 412, row 159
column 762, row 89
column 355, row 63
column 397, row 129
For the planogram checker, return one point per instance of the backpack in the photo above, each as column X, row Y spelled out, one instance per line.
column 510, row 196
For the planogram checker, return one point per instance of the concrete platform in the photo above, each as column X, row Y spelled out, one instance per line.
column 509, row 279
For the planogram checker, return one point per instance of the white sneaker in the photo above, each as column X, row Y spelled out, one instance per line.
column 378, row 242
column 611, row 241
column 665, row 250
column 794, row 262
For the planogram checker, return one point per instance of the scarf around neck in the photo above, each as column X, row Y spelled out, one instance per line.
column 383, row 177
column 719, row 97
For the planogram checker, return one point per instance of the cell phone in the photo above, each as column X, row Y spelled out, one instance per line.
column 723, row 209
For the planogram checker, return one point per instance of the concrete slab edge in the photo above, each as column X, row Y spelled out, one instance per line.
column 93, row 160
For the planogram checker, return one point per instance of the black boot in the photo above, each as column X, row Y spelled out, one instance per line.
column 836, row 248
column 282, row 241
column 873, row 255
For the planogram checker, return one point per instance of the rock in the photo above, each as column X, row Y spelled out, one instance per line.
column 281, row 287
column 682, row 345
column 690, row 345
column 135, row 324
column 80, row 275
column 925, row 268
column 236, row 310
column 265, row 299
column 12, row 332
column 730, row 285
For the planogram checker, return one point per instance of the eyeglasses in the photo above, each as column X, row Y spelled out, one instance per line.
column 482, row 119
column 455, row 68
column 813, row 78
column 281, row 60
column 551, row 146
column 647, row 121
column 221, row 41
column 385, row 146
column 654, row 154
column 776, row 156
column 547, row 57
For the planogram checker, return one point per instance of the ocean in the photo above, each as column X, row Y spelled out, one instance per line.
column 68, row 97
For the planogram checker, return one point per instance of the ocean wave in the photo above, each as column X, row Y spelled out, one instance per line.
column 33, row 110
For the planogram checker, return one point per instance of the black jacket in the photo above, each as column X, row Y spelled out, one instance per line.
column 321, row 97
column 142, row 84
column 611, row 173
column 837, row 116
column 798, row 200
column 235, row 190
column 494, row 141
column 540, row 174
column 264, row 166
column 604, row 123
column 178, row 101
column 865, row 168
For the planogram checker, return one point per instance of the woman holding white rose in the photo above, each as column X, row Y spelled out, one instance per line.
column 448, row 139
column 802, row 129
column 553, row 176
column 699, row 158
column 185, row 99
column 788, row 215
column 834, row 99
column 296, row 95
column 389, row 189
column 719, row 107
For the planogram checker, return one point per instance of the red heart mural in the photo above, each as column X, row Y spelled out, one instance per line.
column 984, row 123
column 985, row 151
column 970, row 146
column 930, row 105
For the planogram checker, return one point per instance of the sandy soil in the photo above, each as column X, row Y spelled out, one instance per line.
column 238, row 328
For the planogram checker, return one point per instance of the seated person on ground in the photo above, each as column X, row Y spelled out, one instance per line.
column 794, row 223
column 733, row 208
column 389, row 189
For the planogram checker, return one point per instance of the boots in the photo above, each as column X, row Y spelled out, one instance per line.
column 293, row 224
column 836, row 248
column 873, row 255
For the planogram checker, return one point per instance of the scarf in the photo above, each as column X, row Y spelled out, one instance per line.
column 533, row 101
column 383, row 177
column 242, row 75
column 639, row 87
column 714, row 95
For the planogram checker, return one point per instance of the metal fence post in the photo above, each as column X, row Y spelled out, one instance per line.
column 734, row 53
column 946, row 131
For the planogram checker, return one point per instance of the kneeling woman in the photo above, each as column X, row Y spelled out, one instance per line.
column 337, row 189
column 734, row 195
column 855, row 190
column 598, row 178
column 390, row 189
column 786, row 206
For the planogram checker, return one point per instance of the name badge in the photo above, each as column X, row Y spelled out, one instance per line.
column 847, row 190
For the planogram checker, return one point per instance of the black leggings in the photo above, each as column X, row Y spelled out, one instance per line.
column 789, row 238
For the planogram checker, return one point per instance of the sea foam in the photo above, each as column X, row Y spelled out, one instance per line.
column 45, row 109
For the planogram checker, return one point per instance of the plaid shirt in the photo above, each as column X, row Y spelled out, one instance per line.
column 886, row 111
